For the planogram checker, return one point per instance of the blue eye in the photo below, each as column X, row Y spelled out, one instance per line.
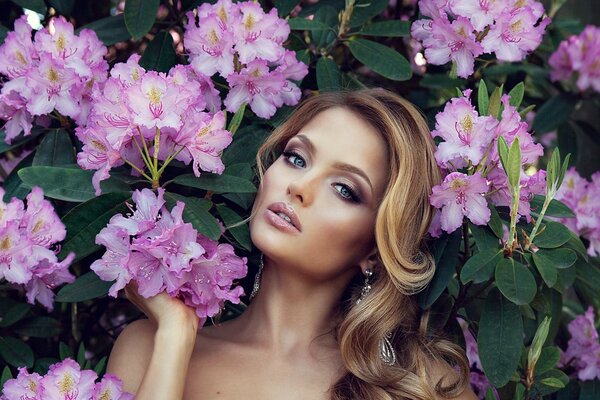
column 347, row 193
column 294, row 159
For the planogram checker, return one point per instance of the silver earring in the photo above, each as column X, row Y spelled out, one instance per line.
column 386, row 350
column 257, row 279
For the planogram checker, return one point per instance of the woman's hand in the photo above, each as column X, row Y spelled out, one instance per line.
column 163, row 310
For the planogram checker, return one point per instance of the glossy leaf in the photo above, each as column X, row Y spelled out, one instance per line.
column 87, row 286
column 381, row 59
column 553, row 235
column 546, row 269
column 500, row 327
column 237, row 119
column 284, row 7
column 6, row 375
column 55, row 149
column 483, row 98
column 548, row 359
column 216, row 183
column 327, row 16
column 34, row 5
column 556, row 208
column 516, row 95
column 16, row 352
column 3, row 33
column 495, row 223
column 240, row 233
column 366, row 9
column 14, row 314
column 196, row 213
column 329, row 77
column 160, row 54
column 140, row 16
column 110, row 30
column 40, row 326
column 19, row 140
column 393, row 28
column 559, row 258
column 553, row 114
column 515, row 281
column 64, row 7
column 479, row 261
column 484, row 237
column 306, row 24
column 100, row 366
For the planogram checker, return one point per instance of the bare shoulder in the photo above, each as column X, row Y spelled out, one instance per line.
column 443, row 371
column 131, row 353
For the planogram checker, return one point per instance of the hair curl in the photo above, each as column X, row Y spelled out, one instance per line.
column 405, row 265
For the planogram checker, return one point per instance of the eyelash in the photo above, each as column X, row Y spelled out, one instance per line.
column 353, row 196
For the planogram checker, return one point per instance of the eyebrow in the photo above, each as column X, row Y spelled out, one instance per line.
column 338, row 165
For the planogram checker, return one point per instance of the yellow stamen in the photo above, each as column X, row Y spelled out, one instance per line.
column 203, row 131
column 38, row 226
column 154, row 95
column 467, row 124
column 249, row 22
column 213, row 38
column 106, row 395
column 5, row 243
column 457, row 184
column 60, row 42
column 66, row 384
column 99, row 145
column 20, row 57
column 53, row 75
column 222, row 14
column 135, row 74
column 516, row 26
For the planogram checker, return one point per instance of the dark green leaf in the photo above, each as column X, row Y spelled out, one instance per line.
column 556, row 208
column 240, row 233
column 284, row 7
column 547, row 360
column 554, row 235
column 365, row 10
column 576, row 244
column 478, row 262
column 500, row 327
column 69, row 184
column 558, row 258
column 196, row 213
column 566, row 278
column 306, row 24
column 87, row 286
column 546, row 269
column 64, row 7
column 483, row 98
column 6, row 375
column 588, row 274
column 160, row 54
column 440, row 81
column 552, row 382
column 515, row 281
column 393, row 28
column 110, row 30
column 34, row 5
column 3, row 34
column 81, row 355
column 552, row 114
column 381, row 59
column 99, row 368
column 42, row 365
column 216, row 183
column 484, row 237
column 18, row 141
column 237, row 119
column 329, row 77
column 42, row 327
column 140, row 16
column 495, row 223
column 16, row 352
column 445, row 268
column 15, row 314
column 328, row 16
column 245, row 145
column 590, row 390
column 516, row 95
column 85, row 221
column 64, row 351
column 56, row 149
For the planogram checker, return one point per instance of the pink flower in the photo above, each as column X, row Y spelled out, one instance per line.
column 453, row 41
column 466, row 135
column 254, row 34
column 212, row 46
column 113, row 266
column 65, row 380
column 46, row 276
column 25, row 386
column 583, row 349
column 18, row 54
column 110, row 388
column 460, row 196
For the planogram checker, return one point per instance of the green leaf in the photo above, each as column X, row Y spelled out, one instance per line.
column 535, row 350
column 515, row 281
column 42, row 365
column 484, row 237
column 556, row 208
column 140, row 16
column 381, row 59
column 304, row 24
column 237, row 119
column 500, row 327
column 554, row 235
column 503, row 153
column 196, row 213
column 68, row 184
column 548, row 359
column 85, row 221
column 284, row 7
column 216, row 183
column 99, row 368
column 245, row 145
column 588, row 274
column 553, row 114
column 16, row 352
column 328, row 16
column 110, row 30
column 64, row 351
column 160, row 54
column 81, row 355
column 590, row 390
column 546, row 269
column 41, row 327
column 3, row 33
column 445, row 268
column 87, row 286
column 240, row 233
column 34, row 5
column 523, row 113
column 440, row 81
column 365, row 10
column 15, row 314
column 514, row 164
column 64, row 7
column 552, row 382
column 56, row 149
column 495, row 223
column 516, row 95
column 575, row 243
column 478, row 262
column 392, row 28
column 483, row 98
column 18, row 141
column 559, row 258
column 495, row 103
column 6, row 375
column 329, row 77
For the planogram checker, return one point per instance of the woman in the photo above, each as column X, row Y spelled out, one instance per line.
column 340, row 217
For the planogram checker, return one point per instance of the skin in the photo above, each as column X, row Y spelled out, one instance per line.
column 282, row 346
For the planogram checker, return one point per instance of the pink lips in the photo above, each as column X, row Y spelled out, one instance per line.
column 287, row 210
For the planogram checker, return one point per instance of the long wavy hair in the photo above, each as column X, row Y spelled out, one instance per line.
column 404, row 264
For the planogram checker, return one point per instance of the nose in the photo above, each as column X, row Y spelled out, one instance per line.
column 302, row 190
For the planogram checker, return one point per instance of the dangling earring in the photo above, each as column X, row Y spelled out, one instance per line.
column 386, row 350
column 257, row 278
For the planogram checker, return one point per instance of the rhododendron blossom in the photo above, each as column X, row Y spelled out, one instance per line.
column 56, row 71
column 583, row 350
column 460, row 30
column 160, row 252
column 28, row 239
column 244, row 45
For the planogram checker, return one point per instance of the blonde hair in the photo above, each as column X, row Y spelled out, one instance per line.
column 405, row 266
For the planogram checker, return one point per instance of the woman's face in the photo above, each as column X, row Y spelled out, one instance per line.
column 329, row 182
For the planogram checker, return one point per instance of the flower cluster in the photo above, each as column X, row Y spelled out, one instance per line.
column 582, row 196
column 28, row 236
column 578, row 55
column 161, row 252
column 64, row 380
column 460, row 30
column 245, row 46
column 470, row 143
column 583, row 349
column 139, row 117
column 55, row 71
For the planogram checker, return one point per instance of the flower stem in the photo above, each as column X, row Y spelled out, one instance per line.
column 132, row 165
column 169, row 159
column 547, row 201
